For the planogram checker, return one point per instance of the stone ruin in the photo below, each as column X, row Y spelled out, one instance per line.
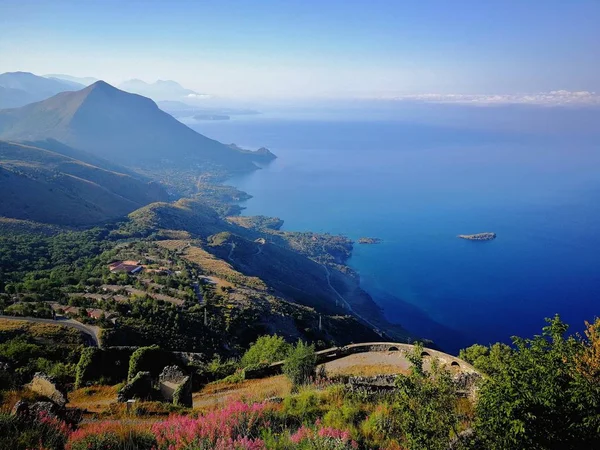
column 47, row 387
column 175, row 386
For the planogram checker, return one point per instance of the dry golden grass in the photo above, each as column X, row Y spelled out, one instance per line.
column 212, row 265
column 175, row 234
column 9, row 398
column 361, row 370
column 94, row 398
column 214, row 395
column 53, row 332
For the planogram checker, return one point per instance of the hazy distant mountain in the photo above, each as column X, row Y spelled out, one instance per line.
column 121, row 127
column 13, row 98
column 160, row 90
column 21, row 88
column 44, row 186
column 85, row 81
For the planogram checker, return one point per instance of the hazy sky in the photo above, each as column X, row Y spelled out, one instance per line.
column 306, row 48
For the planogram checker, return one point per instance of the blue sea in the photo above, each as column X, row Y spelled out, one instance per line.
column 417, row 184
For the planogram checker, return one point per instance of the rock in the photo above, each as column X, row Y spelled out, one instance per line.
column 175, row 386
column 466, row 437
column 48, row 409
column 33, row 411
column 47, row 387
column 467, row 383
column 21, row 408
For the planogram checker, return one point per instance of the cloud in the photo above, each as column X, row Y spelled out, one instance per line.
column 551, row 98
column 195, row 96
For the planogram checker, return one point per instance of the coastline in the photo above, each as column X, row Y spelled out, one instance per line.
column 342, row 279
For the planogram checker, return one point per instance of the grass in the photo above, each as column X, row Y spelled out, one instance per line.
column 10, row 398
column 94, row 399
column 364, row 370
column 210, row 264
column 218, row 394
column 42, row 331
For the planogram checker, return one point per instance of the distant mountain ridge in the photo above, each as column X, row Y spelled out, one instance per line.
column 48, row 187
column 85, row 81
column 122, row 127
column 20, row 88
column 164, row 90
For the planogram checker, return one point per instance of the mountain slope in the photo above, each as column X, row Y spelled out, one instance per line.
column 58, row 147
column 47, row 187
column 21, row 88
column 122, row 127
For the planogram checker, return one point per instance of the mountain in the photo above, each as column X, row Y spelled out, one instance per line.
column 21, row 88
column 48, row 187
column 122, row 127
column 86, row 157
column 85, row 81
column 160, row 90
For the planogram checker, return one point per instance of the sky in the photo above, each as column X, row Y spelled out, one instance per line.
column 313, row 49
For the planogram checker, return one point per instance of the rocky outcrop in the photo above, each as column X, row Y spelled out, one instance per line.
column 47, row 387
column 369, row 240
column 175, row 386
column 35, row 410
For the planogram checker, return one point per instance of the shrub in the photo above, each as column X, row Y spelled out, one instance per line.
column 84, row 371
column 322, row 438
column 139, row 387
column 545, row 393
column 300, row 364
column 304, row 407
column 22, row 433
column 266, row 350
column 111, row 435
column 236, row 426
column 426, row 407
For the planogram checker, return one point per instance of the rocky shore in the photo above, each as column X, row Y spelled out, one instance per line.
column 369, row 240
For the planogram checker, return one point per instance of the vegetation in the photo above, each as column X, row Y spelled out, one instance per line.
column 266, row 350
column 542, row 393
column 299, row 366
column 539, row 393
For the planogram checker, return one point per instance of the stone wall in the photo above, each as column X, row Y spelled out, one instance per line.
column 175, row 386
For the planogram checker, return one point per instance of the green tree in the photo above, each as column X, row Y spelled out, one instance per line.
column 426, row 407
column 300, row 364
column 538, row 397
column 266, row 350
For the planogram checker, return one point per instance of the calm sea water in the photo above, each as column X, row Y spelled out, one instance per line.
column 417, row 187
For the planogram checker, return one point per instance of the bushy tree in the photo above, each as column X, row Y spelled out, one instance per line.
column 266, row 350
column 300, row 363
column 425, row 411
column 543, row 394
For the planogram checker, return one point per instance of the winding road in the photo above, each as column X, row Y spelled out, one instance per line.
column 92, row 331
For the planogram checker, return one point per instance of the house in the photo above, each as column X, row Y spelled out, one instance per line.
column 131, row 267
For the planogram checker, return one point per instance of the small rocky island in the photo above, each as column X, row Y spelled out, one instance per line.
column 369, row 240
column 478, row 236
